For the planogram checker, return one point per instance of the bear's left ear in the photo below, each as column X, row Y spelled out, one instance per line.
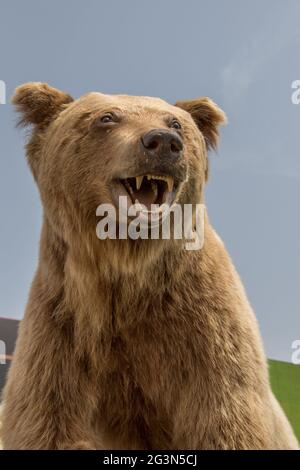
column 38, row 103
column 208, row 117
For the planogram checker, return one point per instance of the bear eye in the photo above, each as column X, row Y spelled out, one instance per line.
column 107, row 118
column 175, row 124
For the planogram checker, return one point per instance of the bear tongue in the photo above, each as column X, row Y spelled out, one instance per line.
column 146, row 195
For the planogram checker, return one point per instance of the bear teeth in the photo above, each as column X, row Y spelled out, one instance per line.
column 168, row 179
column 128, row 187
column 139, row 180
column 170, row 183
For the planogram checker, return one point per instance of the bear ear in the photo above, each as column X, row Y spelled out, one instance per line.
column 208, row 117
column 38, row 103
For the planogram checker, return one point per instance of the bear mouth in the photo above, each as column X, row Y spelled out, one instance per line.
column 149, row 190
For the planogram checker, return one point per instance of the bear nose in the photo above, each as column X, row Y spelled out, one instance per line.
column 159, row 142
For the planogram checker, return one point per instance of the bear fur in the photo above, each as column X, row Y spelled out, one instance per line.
column 130, row 344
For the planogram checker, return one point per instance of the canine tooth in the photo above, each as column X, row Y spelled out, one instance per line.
column 170, row 183
column 139, row 180
column 128, row 187
column 149, row 177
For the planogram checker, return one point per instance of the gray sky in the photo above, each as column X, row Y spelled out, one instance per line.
column 243, row 54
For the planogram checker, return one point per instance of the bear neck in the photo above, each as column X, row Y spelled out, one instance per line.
column 96, row 283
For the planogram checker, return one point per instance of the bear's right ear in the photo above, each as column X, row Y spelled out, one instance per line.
column 38, row 103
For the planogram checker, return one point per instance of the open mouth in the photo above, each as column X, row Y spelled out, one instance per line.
column 150, row 189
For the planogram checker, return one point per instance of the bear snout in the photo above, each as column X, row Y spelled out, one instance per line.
column 159, row 143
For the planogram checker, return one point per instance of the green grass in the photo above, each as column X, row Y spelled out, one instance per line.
column 285, row 381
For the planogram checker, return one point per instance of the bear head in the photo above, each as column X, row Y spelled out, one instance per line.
column 92, row 150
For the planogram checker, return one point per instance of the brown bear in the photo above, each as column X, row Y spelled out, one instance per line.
column 132, row 344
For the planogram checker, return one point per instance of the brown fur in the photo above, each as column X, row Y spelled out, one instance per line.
column 130, row 344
